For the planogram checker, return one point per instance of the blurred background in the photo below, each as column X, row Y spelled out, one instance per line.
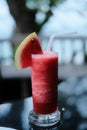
column 18, row 18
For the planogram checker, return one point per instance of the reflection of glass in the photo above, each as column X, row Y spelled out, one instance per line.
column 44, row 90
column 55, row 127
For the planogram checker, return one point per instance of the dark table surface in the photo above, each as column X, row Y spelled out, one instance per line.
column 72, row 103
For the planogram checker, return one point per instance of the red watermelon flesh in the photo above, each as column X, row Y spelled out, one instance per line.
column 33, row 47
column 30, row 45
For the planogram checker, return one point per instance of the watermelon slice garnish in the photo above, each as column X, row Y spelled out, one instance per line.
column 30, row 45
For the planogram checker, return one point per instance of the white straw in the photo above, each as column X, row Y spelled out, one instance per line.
column 56, row 35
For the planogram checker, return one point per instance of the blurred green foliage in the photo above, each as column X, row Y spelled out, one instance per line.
column 43, row 9
column 31, row 15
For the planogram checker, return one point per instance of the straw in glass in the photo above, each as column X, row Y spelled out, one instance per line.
column 56, row 35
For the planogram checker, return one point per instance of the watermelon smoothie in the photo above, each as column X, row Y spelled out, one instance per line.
column 44, row 76
column 44, row 82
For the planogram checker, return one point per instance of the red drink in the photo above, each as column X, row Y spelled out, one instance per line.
column 44, row 76
column 44, row 82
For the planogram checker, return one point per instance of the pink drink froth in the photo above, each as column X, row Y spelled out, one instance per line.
column 44, row 82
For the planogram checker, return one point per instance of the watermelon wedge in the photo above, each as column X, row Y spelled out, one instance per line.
column 30, row 45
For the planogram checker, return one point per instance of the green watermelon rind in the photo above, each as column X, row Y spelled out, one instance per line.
column 20, row 48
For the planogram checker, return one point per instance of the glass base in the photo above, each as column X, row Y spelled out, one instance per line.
column 42, row 120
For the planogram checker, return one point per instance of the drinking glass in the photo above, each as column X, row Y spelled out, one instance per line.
column 44, row 77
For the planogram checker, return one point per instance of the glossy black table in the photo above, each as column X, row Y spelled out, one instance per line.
column 72, row 103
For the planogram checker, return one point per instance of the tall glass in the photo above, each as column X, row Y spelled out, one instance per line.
column 44, row 90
